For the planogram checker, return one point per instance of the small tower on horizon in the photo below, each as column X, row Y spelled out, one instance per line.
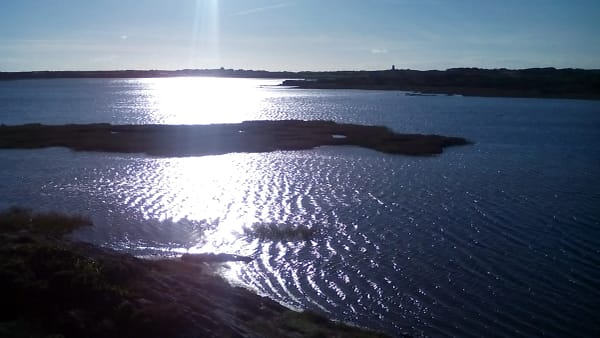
column 393, row 67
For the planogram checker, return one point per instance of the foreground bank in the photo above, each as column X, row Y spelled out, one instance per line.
column 51, row 285
column 215, row 139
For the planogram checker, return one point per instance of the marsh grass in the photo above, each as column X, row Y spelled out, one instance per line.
column 315, row 325
column 51, row 223
column 280, row 232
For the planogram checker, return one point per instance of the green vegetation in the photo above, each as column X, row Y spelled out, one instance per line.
column 51, row 223
column 311, row 324
column 52, row 282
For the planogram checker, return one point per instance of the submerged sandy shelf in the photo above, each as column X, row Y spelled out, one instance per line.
column 215, row 139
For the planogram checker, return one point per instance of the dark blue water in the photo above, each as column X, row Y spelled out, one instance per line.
column 499, row 238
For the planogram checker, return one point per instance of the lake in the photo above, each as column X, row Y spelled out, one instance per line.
column 498, row 238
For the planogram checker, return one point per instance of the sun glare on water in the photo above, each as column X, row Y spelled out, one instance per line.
column 204, row 100
column 218, row 196
column 214, row 197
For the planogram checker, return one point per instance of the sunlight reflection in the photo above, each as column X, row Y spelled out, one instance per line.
column 220, row 194
column 210, row 204
column 205, row 100
column 227, row 193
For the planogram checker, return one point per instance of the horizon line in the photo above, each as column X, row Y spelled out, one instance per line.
column 292, row 71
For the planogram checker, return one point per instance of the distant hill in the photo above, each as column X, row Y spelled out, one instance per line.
column 533, row 82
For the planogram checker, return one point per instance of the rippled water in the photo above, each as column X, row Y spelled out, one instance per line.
column 498, row 238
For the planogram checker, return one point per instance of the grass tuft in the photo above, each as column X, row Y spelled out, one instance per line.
column 19, row 219
column 280, row 232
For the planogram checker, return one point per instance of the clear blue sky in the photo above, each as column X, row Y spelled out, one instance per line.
column 298, row 34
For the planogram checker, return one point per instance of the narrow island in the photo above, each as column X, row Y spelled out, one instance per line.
column 215, row 139
column 52, row 286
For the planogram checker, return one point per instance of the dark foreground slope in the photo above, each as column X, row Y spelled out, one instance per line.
column 53, row 286
column 198, row 140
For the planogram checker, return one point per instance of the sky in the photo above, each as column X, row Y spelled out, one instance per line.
column 298, row 35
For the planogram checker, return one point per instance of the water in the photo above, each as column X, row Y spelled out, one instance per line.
column 500, row 238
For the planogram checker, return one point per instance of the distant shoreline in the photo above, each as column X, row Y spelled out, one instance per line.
column 532, row 83
column 446, row 91
column 526, row 83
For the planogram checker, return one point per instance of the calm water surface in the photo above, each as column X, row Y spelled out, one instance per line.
column 501, row 238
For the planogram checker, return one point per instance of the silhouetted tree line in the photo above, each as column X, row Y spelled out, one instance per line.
column 144, row 74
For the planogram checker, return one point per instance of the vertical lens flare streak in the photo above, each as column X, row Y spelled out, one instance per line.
column 204, row 47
